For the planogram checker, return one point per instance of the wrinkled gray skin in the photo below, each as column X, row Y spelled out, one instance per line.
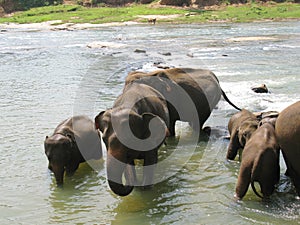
column 136, row 108
column 202, row 87
column 241, row 126
column 288, row 136
column 260, row 162
column 74, row 141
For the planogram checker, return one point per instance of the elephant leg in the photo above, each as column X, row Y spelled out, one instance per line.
column 243, row 182
column 172, row 128
column 297, row 185
column 295, row 178
column 70, row 169
column 288, row 166
column 150, row 162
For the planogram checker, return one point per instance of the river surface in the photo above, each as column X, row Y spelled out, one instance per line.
column 47, row 76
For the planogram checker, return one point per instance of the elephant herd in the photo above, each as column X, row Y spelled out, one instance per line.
column 144, row 115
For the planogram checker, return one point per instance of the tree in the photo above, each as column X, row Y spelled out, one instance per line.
column 14, row 5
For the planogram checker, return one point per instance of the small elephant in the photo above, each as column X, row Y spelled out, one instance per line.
column 191, row 94
column 260, row 162
column 241, row 126
column 134, row 128
column 288, row 136
column 74, row 141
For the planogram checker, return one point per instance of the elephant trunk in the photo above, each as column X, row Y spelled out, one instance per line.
column 115, row 170
column 120, row 189
column 58, row 173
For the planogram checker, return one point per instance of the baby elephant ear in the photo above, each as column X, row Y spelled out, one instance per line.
column 72, row 139
column 98, row 119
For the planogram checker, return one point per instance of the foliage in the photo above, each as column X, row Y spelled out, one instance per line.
column 14, row 5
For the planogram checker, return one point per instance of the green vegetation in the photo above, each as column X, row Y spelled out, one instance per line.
column 80, row 14
column 13, row 5
column 248, row 13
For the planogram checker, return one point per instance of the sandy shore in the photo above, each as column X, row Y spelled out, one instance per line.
column 59, row 25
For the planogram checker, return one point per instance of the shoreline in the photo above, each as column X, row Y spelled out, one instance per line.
column 74, row 17
column 58, row 25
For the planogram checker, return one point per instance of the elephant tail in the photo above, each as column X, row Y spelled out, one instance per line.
column 254, row 189
column 227, row 100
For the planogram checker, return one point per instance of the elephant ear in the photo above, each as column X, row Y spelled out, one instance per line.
column 102, row 120
column 154, row 128
column 98, row 120
column 72, row 138
column 246, row 130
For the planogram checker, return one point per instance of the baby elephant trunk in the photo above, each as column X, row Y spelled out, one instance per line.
column 58, row 173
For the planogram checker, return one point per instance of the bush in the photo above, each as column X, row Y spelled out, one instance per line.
column 176, row 2
column 15, row 5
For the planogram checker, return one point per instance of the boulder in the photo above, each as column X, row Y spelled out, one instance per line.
column 260, row 89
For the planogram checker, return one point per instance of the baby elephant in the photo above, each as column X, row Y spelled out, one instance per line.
column 241, row 126
column 260, row 162
column 74, row 141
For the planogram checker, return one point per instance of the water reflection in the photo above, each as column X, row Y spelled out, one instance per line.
column 78, row 192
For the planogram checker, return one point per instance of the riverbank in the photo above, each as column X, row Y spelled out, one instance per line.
column 68, row 17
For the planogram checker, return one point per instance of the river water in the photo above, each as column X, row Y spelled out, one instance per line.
column 47, row 76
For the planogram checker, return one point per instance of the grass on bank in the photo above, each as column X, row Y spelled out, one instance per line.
column 79, row 14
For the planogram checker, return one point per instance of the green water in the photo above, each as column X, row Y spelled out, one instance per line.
column 47, row 76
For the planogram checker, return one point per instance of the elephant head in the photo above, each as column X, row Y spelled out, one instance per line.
column 245, row 131
column 260, row 163
column 241, row 126
column 58, row 149
column 129, row 136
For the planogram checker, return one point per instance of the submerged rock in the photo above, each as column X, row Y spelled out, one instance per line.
column 139, row 51
column 103, row 44
column 260, row 89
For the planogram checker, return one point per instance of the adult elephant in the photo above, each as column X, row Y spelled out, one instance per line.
column 288, row 136
column 73, row 141
column 201, row 86
column 134, row 128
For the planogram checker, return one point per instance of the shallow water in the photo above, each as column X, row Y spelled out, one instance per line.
column 47, row 76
